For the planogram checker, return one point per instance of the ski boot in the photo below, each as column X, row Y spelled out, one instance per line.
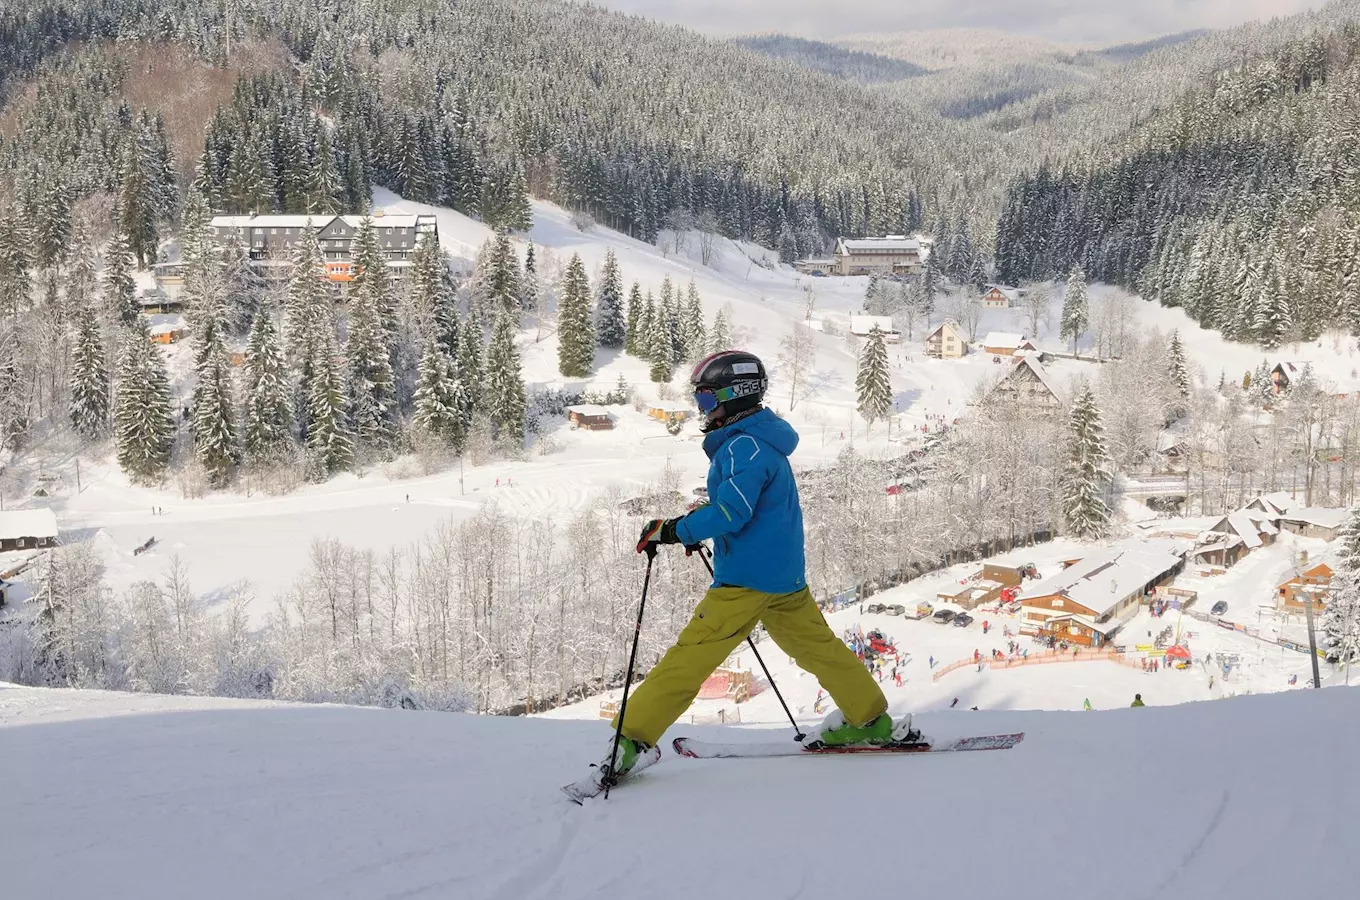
column 835, row 731
column 632, row 757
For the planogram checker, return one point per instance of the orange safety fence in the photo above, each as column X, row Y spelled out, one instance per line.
column 1038, row 659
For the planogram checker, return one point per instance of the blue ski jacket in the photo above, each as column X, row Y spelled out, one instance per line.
column 753, row 515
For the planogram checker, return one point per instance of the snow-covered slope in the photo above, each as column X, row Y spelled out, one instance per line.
column 115, row 795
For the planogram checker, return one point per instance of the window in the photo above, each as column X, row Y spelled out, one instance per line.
column 403, row 243
column 389, row 231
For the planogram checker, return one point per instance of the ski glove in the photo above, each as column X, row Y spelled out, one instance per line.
column 658, row 531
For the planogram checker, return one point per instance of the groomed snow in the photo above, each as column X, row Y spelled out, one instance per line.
column 114, row 795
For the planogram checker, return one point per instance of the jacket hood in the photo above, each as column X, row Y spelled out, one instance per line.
column 764, row 425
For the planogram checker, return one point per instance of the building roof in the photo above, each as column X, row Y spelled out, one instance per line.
column 589, row 409
column 878, row 245
column 1039, row 371
column 1322, row 516
column 942, row 326
column 1005, row 339
column 28, row 523
column 1010, row 293
column 391, row 220
column 1243, row 526
column 166, row 328
column 671, row 406
column 1104, row 579
column 270, row 221
column 862, row 325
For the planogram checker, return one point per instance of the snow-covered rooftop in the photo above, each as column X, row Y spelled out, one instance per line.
column 1106, row 577
column 391, row 220
column 862, row 325
column 588, row 409
column 1004, row 339
column 270, row 221
column 1325, row 517
column 28, row 523
column 878, row 245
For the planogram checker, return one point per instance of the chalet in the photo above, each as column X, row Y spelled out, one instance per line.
column 1286, row 373
column 945, row 342
column 28, row 529
column 1089, row 601
column 892, row 255
column 1272, row 505
column 270, row 239
column 1314, row 522
column 1001, row 343
column 861, row 326
column 169, row 278
column 1027, row 383
column 982, row 587
column 590, row 417
column 1314, row 584
column 1000, row 297
column 1234, row 536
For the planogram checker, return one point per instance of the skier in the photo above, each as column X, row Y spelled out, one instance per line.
column 1086, row 704
column 754, row 517
column 955, row 703
column 1137, row 700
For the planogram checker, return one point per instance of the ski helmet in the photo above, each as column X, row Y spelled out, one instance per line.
column 734, row 379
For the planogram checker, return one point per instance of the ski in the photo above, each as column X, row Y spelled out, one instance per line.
column 706, row 750
column 593, row 784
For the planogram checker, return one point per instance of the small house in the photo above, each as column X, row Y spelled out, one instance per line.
column 1314, row 522
column 1314, row 584
column 862, row 326
column 590, row 417
column 669, row 411
column 1000, row 297
column 1027, row 383
column 166, row 333
column 169, row 278
column 28, row 529
column 159, row 303
column 945, row 342
column 817, row 267
column 1001, row 343
column 1234, row 536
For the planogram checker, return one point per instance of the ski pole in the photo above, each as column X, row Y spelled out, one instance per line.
column 798, row 732
column 609, row 778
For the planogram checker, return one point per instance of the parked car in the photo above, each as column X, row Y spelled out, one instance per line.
column 896, row 609
column 1219, row 608
column 923, row 609
column 874, row 608
column 945, row 616
column 963, row 620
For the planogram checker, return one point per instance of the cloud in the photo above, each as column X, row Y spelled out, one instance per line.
column 1063, row 20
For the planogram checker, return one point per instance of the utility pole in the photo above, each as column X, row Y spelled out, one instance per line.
column 1300, row 561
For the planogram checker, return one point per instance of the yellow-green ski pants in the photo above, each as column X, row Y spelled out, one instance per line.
column 722, row 620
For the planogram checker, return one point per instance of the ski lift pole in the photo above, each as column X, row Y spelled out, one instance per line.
column 798, row 732
column 609, row 778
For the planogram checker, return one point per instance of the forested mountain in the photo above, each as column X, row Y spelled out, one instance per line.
column 618, row 116
column 851, row 65
column 1240, row 203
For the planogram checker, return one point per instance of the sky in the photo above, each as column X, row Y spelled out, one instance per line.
column 1100, row 21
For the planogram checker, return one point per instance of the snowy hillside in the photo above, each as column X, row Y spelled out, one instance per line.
column 157, row 797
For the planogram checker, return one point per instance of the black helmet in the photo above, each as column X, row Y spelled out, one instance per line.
column 735, row 378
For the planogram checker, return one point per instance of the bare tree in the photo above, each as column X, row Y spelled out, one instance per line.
column 1036, row 301
column 679, row 222
column 966, row 309
column 797, row 355
column 708, row 236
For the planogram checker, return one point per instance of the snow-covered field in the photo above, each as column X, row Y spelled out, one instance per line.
column 165, row 797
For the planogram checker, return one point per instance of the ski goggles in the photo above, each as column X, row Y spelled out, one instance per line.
column 708, row 399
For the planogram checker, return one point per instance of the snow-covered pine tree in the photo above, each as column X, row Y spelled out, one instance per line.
column 719, row 338
column 325, row 188
column 432, row 295
column 1076, row 312
column 873, row 382
column 89, row 377
column 646, row 325
column 134, row 211
column 268, row 414
column 120, row 291
column 502, row 276
column 1340, row 623
column 144, row 426
column 575, row 334
column 1262, row 391
column 1180, row 372
column 632, row 343
column 211, row 418
column 371, row 383
column 436, row 410
column 328, row 435
column 610, row 328
column 660, row 350
column 1086, row 476
column 373, row 282
column 82, row 272
column 308, row 302
column 668, row 309
column 505, row 400
column 693, row 330
column 529, row 289
column 518, row 214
